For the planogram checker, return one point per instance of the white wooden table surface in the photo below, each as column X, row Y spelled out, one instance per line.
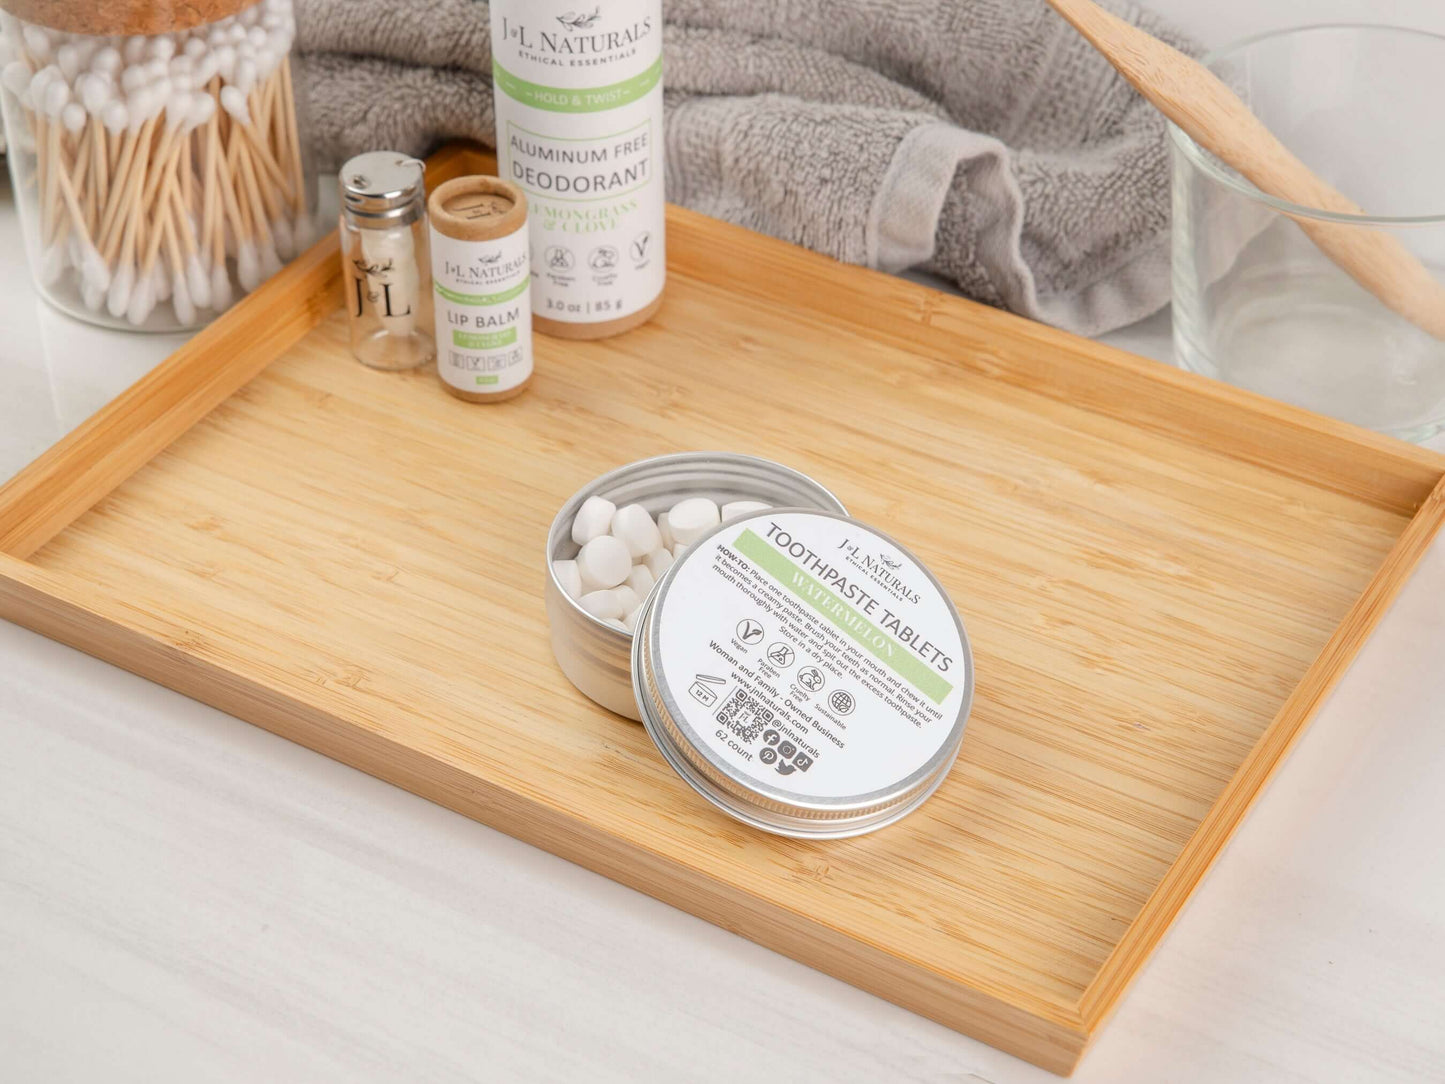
column 186, row 898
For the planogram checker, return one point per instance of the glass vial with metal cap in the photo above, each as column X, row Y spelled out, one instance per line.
column 385, row 261
column 481, row 261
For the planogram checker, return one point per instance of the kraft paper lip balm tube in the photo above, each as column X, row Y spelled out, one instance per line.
column 578, row 91
column 481, row 267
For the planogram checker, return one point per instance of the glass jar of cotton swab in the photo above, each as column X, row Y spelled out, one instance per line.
column 385, row 261
column 156, row 153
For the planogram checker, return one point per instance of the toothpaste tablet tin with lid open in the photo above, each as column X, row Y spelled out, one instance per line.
column 805, row 673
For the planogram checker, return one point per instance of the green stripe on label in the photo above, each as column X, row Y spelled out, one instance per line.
column 484, row 299
column 887, row 650
column 484, row 340
column 576, row 100
column 493, row 379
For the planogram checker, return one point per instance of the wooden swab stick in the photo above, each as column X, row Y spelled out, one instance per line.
column 187, row 182
column 259, row 211
column 218, row 237
column 60, row 166
column 264, row 97
column 173, row 250
column 82, row 174
column 1197, row 101
column 181, row 213
column 120, row 175
column 100, row 155
column 127, row 242
column 288, row 114
column 162, row 171
column 91, row 190
column 266, row 193
column 77, row 216
column 225, row 174
column 124, row 179
column 42, row 165
column 210, row 183
column 126, row 222
column 167, row 154
column 153, row 246
column 51, row 196
column 262, row 157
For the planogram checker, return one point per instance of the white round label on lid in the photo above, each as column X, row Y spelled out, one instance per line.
column 811, row 655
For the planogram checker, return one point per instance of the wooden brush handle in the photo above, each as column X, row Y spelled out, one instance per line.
column 1212, row 115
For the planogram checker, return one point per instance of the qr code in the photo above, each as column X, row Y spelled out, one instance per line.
column 745, row 715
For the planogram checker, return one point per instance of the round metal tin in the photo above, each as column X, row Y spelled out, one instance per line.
column 754, row 733
column 596, row 657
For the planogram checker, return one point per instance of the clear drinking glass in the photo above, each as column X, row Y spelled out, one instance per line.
column 1256, row 303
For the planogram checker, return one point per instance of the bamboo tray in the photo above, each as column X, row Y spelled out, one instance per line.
column 1162, row 578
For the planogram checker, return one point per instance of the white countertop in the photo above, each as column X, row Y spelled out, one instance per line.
column 184, row 897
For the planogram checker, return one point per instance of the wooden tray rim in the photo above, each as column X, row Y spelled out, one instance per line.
column 46, row 497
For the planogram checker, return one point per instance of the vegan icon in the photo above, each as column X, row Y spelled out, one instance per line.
column 749, row 631
column 641, row 247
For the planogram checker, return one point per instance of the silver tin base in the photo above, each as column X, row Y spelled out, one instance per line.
column 596, row 657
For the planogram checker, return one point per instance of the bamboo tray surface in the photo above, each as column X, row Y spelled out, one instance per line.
column 1161, row 578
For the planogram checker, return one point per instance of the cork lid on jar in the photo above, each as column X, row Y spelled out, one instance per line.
column 477, row 208
column 124, row 17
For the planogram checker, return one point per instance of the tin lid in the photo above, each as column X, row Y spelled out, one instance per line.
column 382, row 189
column 805, row 673
column 477, row 208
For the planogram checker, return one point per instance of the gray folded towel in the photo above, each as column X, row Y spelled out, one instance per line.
column 983, row 140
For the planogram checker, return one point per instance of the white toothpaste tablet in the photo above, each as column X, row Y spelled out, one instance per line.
column 568, row 576
column 629, row 621
column 734, row 509
column 593, row 520
column 603, row 604
column 690, row 519
column 641, row 579
column 657, row 562
column 633, row 525
column 629, row 598
column 603, row 562
column 664, row 528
